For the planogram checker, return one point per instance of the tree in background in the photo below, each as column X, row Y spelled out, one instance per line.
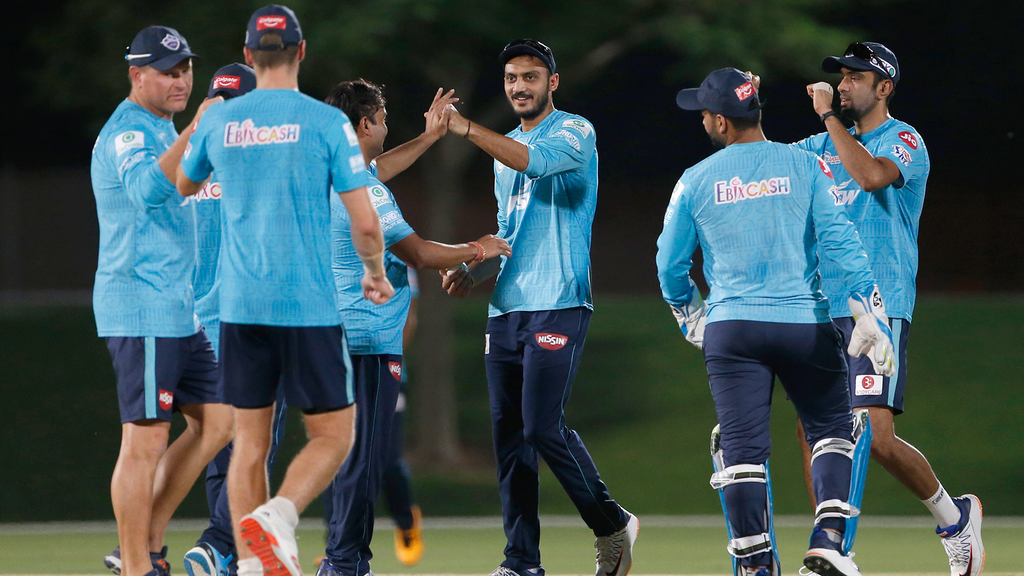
column 415, row 46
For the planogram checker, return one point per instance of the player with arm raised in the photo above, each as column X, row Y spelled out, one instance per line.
column 144, row 303
column 545, row 181
column 881, row 167
column 758, row 210
column 278, row 154
column 375, row 332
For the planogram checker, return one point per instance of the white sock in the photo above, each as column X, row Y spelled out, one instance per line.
column 286, row 508
column 943, row 508
column 250, row 567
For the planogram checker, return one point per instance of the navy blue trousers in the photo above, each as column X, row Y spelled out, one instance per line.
column 397, row 481
column 743, row 359
column 531, row 359
column 350, row 500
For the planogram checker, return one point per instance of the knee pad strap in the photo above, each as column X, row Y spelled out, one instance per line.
column 737, row 474
column 749, row 545
column 832, row 446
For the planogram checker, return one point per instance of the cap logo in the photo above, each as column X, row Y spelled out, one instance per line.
column 278, row 22
column 171, row 42
column 744, row 91
column 228, row 82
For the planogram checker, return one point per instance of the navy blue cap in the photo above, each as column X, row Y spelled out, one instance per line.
column 231, row 81
column 528, row 47
column 158, row 46
column 277, row 19
column 728, row 92
column 865, row 56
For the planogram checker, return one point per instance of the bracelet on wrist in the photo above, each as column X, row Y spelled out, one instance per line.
column 480, row 252
column 826, row 116
column 469, row 126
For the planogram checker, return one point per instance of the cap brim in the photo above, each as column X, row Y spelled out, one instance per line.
column 687, row 99
column 168, row 62
column 834, row 64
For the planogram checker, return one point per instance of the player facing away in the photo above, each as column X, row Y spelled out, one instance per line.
column 214, row 553
column 881, row 167
column 144, row 305
column 545, row 181
column 277, row 154
column 758, row 210
column 375, row 332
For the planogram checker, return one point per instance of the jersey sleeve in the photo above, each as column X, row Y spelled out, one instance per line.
column 138, row 168
column 813, row 144
column 348, row 169
column 392, row 222
column 676, row 245
column 565, row 148
column 836, row 234
column 195, row 162
column 372, row 168
column 906, row 149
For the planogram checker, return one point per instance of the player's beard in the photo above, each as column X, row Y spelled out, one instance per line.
column 717, row 140
column 540, row 104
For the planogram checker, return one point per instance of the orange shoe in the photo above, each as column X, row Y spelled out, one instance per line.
column 409, row 543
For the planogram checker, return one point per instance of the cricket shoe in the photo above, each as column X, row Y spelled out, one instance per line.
column 962, row 541
column 409, row 543
column 615, row 552
column 272, row 540
column 159, row 559
column 325, row 568
column 505, row 571
column 825, row 556
column 205, row 560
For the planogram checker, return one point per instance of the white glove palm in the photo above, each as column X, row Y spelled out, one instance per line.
column 691, row 318
column 872, row 335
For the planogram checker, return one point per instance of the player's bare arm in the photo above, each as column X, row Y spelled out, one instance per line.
column 369, row 244
column 420, row 253
column 398, row 159
column 513, row 154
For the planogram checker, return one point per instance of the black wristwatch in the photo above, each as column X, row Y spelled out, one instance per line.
column 825, row 116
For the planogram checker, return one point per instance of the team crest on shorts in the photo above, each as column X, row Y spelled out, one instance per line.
column 396, row 370
column 166, row 399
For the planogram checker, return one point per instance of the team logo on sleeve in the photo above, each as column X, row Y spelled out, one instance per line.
column 676, row 193
column 171, row 42
column 830, row 158
column 264, row 22
column 356, row 163
column 868, row 385
column 744, row 91
column 551, row 341
column 824, row 168
column 166, row 399
column 569, row 137
column 901, row 154
column 127, row 140
column 910, row 139
column 226, row 82
column 578, row 125
column 736, row 190
column 396, row 370
column 350, row 135
column 246, row 134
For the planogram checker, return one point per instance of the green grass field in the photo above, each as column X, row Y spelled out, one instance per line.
column 659, row 550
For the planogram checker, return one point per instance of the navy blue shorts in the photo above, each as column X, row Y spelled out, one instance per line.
column 868, row 388
column 311, row 363
column 154, row 375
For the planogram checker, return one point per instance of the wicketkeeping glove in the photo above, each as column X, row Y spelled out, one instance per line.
column 691, row 318
column 871, row 335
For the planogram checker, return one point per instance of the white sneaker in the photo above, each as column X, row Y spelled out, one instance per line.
column 964, row 548
column 829, row 562
column 272, row 540
column 615, row 552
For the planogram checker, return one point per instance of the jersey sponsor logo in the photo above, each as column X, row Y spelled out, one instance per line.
column 396, row 370
column 277, row 22
column 569, row 137
column 188, row 150
column 868, row 385
column 832, row 159
column 127, row 140
column 350, row 134
column 744, row 91
column 378, row 196
column 677, row 191
column 131, row 161
column 166, row 399
column 389, row 221
column 210, row 191
column 499, row 167
column 551, row 341
column 824, row 168
column 910, row 139
column 736, row 190
column 227, row 82
column 578, row 125
column 246, row 133
column 901, row 154
column 843, row 195
column 356, row 163
column 518, row 202
column 171, row 42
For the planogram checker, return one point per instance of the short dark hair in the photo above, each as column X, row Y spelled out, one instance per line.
column 878, row 80
column 746, row 123
column 273, row 53
column 357, row 99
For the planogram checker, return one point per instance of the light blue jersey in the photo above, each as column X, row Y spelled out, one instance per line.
column 147, row 231
column 371, row 329
column 207, row 282
column 546, row 214
column 758, row 211
column 887, row 219
column 277, row 154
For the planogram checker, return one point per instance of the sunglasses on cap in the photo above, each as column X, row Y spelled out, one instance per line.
column 863, row 52
column 539, row 46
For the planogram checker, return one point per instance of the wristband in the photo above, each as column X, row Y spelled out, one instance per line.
column 469, row 126
column 826, row 115
column 480, row 252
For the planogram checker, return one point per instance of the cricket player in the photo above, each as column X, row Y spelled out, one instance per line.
column 881, row 167
column 545, row 181
column 144, row 305
column 277, row 154
column 214, row 553
column 758, row 210
column 375, row 332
